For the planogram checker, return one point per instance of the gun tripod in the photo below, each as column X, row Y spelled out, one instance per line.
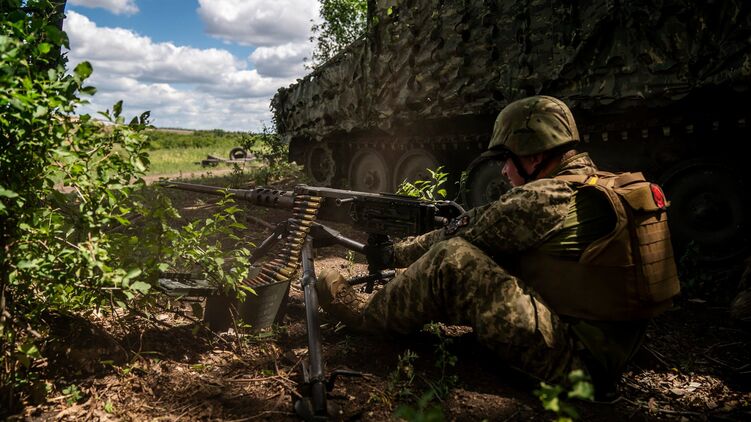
column 315, row 387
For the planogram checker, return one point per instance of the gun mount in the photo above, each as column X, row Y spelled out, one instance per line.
column 379, row 215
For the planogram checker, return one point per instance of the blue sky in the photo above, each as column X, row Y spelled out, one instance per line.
column 202, row 64
column 173, row 21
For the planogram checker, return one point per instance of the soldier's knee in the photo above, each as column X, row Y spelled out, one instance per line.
column 454, row 247
column 456, row 252
column 457, row 242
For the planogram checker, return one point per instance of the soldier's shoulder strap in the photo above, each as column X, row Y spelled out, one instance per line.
column 604, row 179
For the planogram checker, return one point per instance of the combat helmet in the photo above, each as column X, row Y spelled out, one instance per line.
column 532, row 125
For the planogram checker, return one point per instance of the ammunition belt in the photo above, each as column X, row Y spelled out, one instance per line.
column 287, row 261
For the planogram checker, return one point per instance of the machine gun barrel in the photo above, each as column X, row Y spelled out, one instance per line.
column 375, row 213
column 266, row 197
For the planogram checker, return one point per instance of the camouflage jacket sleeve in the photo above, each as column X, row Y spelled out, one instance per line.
column 409, row 249
column 519, row 220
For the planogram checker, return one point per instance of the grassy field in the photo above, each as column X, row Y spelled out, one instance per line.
column 174, row 152
column 170, row 161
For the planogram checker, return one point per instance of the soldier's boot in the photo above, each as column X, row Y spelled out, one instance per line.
column 339, row 299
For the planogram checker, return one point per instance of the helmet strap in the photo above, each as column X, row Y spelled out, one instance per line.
column 520, row 168
column 528, row 177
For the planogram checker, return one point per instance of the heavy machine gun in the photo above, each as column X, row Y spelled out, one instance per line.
column 381, row 216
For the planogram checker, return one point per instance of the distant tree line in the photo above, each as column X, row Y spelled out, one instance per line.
column 165, row 139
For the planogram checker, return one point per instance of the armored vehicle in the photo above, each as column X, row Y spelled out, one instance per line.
column 656, row 86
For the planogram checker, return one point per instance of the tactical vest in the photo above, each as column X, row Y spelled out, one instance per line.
column 629, row 274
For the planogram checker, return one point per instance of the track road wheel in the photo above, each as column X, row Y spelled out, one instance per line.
column 707, row 212
column 369, row 172
column 484, row 182
column 413, row 165
column 320, row 165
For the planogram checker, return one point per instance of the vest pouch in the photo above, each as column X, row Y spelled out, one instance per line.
column 659, row 276
column 640, row 198
column 648, row 224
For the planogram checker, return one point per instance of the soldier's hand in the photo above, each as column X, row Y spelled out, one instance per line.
column 380, row 255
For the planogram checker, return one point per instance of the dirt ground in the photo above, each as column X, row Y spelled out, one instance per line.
column 167, row 366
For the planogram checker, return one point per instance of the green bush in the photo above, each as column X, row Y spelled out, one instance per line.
column 71, row 189
column 56, row 247
column 73, row 204
column 426, row 189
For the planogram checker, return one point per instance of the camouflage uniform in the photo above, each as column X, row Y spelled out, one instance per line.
column 457, row 278
column 469, row 276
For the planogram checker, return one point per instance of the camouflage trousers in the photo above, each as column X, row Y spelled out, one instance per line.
column 456, row 283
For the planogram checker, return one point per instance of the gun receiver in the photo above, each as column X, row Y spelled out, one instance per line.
column 374, row 213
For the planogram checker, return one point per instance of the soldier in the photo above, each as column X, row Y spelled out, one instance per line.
column 561, row 272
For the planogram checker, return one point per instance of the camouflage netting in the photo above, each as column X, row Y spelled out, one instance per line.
column 432, row 59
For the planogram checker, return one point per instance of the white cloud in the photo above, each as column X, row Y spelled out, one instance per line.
column 118, row 7
column 182, row 86
column 119, row 51
column 259, row 22
column 281, row 60
column 171, row 107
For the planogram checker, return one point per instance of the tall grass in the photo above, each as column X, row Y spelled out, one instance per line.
column 173, row 152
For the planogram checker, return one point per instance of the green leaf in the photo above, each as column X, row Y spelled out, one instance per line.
column 29, row 349
column 552, row 404
column 135, row 272
column 582, row 390
column 117, row 109
column 108, row 407
column 144, row 117
column 247, row 289
column 83, row 70
column 88, row 90
column 56, row 36
column 24, row 265
column 140, row 286
column 7, row 193
column 139, row 165
column 40, row 111
column 44, row 48
column 577, row 375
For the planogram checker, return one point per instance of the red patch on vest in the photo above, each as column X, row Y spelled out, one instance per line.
column 657, row 195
